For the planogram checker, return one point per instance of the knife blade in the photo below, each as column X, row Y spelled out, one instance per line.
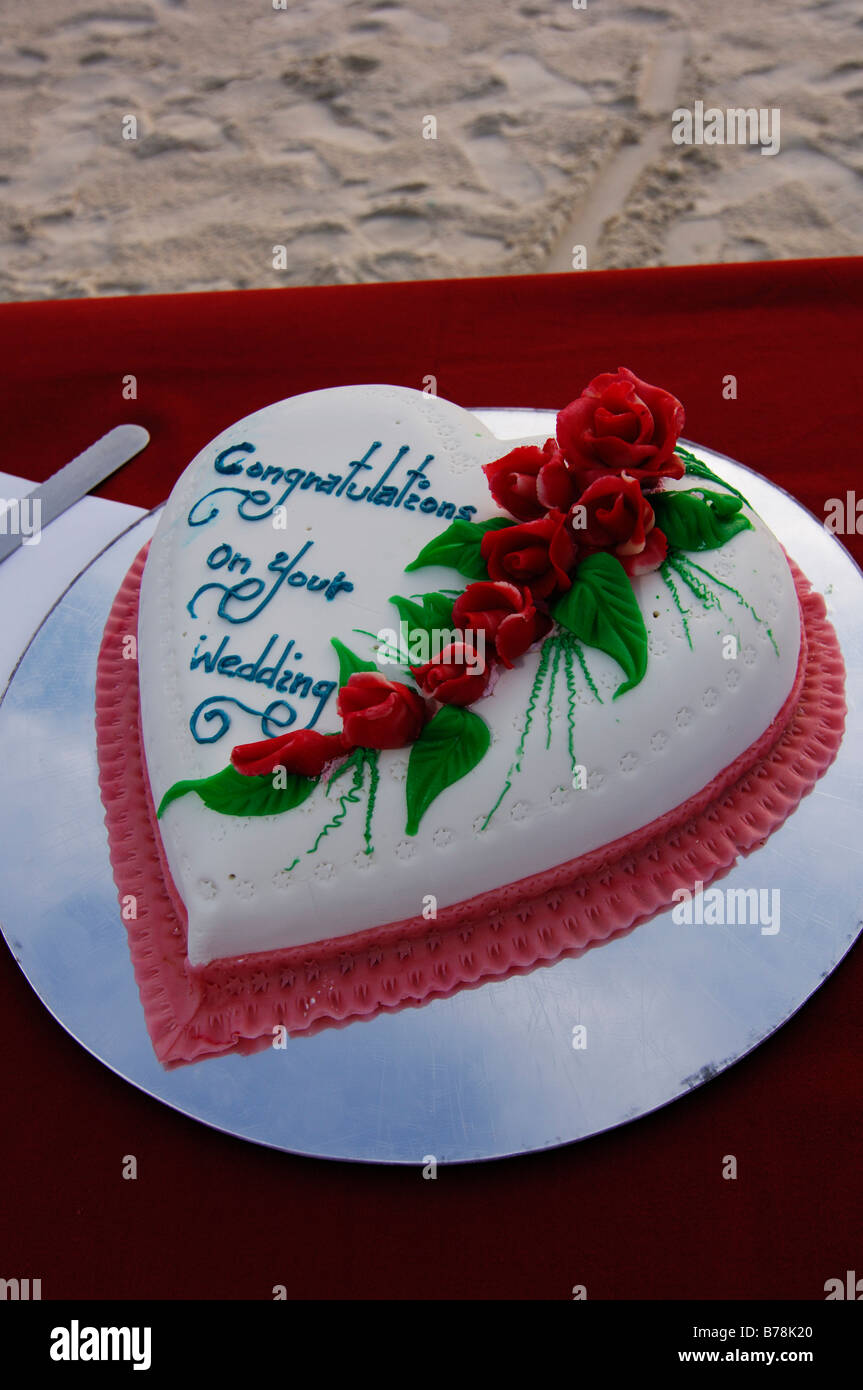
column 44, row 503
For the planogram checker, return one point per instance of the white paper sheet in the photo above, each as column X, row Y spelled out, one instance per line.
column 34, row 577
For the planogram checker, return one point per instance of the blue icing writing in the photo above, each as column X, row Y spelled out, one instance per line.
column 245, row 591
column 257, row 504
column 251, row 498
column 290, row 682
column 208, row 711
column 225, row 555
column 222, row 466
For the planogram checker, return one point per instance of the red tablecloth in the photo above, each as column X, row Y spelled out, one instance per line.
column 642, row 1212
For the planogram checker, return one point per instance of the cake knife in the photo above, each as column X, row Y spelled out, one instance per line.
column 72, row 482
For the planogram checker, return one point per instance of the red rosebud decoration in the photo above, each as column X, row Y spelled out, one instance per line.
column 305, row 753
column 619, row 422
column 457, row 677
column 529, row 480
column 539, row 554
column 618, row 517
column 379, row 713
column 505, row 613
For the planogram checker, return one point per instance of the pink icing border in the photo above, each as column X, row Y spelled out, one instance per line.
column 234, row 1004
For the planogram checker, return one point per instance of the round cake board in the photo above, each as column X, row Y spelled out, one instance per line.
column 514, row 1066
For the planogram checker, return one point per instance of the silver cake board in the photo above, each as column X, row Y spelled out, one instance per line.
column 514, row 1066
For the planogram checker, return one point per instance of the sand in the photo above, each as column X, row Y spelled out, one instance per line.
column 304, row 129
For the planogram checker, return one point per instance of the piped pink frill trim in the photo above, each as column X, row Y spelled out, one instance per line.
column 235, row 1004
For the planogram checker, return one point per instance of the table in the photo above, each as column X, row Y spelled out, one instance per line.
column 641, row 1212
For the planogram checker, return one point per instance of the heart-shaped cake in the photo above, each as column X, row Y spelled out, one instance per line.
column 411, row 712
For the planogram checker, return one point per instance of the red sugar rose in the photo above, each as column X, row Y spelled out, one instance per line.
column 619, row 422
column 618, row 517
column 457, row 677
column 529, row 480
column 379, row 713
column 505, row 613
column 304, row 752
column 539, row 554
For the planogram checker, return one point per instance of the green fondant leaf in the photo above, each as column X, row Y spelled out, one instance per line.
column 449, row 747
column 698, row 519
column 601, row 610
column 432, row 614
column 458, row 547
column 232, row 794
column 349, row 662
column 696, row 468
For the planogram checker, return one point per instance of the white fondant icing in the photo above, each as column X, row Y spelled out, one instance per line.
column 643, row 754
